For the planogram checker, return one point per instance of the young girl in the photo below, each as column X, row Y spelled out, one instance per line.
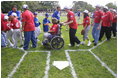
column 86, row 25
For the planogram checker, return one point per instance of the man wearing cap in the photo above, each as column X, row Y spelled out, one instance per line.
column 14, row 10
column 97, row 24
column 114, row 23
column 28, row 27
column 73, row 27
column 15, row 24
column 56, row 13
column 106, row 24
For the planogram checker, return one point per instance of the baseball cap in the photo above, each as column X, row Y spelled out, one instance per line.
column 86, row 11
column 47, row 15
column 6, row 17
column 66, row 7
column 35, row 13
column 25, row 6
column 105, row 7
column 14, row 14
column 98, row 6
column 114, row 10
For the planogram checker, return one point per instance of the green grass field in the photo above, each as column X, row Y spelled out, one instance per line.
column 84, row 63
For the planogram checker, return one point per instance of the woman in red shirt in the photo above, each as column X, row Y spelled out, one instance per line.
column 86, row 25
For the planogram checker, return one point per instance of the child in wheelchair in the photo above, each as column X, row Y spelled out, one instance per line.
column 52, row 32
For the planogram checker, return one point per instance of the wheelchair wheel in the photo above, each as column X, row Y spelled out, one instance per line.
column 57, row 43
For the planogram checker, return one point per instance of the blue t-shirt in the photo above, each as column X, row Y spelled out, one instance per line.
column 36, row 22
column 56, row 15
column 45, row 27
column 78, row 13
column 17, row 12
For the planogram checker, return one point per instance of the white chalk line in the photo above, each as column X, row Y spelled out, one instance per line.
column 71, row 65
column 47, row 68
column 102, row 63
column 17, row 65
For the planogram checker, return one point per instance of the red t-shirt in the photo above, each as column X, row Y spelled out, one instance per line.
column 28, row 18
column 86, row 21
column 97, row 16
column 107, row 19
column 6, row 26
column 15, row 24
column 54, row 28
column 71, row 17
column 114, row 18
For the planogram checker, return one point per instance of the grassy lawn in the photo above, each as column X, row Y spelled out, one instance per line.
column 86, row 66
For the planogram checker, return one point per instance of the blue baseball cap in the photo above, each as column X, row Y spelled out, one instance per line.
column 47, row 15
column 35, row 13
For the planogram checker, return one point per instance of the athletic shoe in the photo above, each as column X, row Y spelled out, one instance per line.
column 89, row 43
column 95, row 44
column 70, row 45
column 82, row 42
column 78, row 45
column 93, row 41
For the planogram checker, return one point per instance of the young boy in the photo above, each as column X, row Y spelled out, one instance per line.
column 4, row 23
column 46, row 23
column 15, row 24
column 53, row 30
column 37, row 26
column 86, row 24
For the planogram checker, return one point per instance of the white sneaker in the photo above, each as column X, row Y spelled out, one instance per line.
column 89, row 43
column 78, row 45
column 82, row 42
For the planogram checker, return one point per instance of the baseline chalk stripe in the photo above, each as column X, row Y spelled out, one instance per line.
column 47, row 68
column 71, row 65
column 103, row 64
column 17, row 65
column 89, row 50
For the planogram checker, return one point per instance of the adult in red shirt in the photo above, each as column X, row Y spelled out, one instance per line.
column 106, row 24
column 28, row 27
column 97, row 24
column 73, row 27
column 114, row 23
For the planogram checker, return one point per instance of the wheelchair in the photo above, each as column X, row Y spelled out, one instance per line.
column 55, row 42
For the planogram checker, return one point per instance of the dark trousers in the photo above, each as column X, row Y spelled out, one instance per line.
column 73, row 38
column 113, row 29
column 29, row 36
column 106, row 31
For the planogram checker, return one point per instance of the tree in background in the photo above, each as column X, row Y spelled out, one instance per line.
column 111, row 5
column 82, row 6
column 33, row 5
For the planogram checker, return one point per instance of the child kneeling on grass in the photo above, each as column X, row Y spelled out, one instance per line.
column 86, row 25
column 52, row 32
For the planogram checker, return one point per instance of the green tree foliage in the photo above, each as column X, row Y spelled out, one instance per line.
column 33, row 5
column 6, row 6
column 82, row 6
column 111, row 5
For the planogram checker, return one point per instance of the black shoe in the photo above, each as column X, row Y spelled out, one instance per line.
column 95, row 44
column 93, row 41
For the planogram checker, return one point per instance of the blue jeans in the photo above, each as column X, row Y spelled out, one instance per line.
column 3, row 39
column 96, row 32
column 29, row 36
